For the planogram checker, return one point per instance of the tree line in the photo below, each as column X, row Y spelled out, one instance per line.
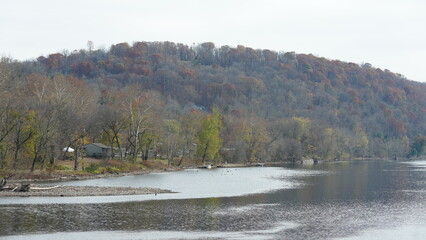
column 207, row 104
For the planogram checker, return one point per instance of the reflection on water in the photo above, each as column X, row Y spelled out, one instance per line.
column 412, row 232
column 348, row 200
column 158, row 235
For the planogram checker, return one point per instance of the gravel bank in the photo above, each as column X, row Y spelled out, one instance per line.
column 77, row 191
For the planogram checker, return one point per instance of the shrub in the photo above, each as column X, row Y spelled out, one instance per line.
column 61, row 167
column 92, row 168
column 113, row 169
column 120, row 166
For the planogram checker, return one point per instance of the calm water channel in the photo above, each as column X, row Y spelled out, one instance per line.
column 344, row 200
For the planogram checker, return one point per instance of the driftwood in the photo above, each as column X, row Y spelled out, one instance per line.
column 45, row 188
column 2, row 183
column 22, row 188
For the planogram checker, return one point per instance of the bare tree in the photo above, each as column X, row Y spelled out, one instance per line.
column 140, row 108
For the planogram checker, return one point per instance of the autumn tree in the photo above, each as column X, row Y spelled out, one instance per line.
column 7, row 125
column 141, row 109
column 23, row 132
column 112, row 122
column 46, row 117
column 7, row 107
column 252, row 86
column 289, row 139
column 73, row 102
column 190, row 124
column 255, row 136
column 205, row 53
column 172, row 141
column 209, row 141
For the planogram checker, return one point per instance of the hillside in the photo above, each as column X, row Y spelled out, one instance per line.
column 274, row 105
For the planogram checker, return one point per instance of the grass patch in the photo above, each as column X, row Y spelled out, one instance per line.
column 109, row 167
column 156, row 164
column 53, row 167
column 114, row 166
column 61, row 167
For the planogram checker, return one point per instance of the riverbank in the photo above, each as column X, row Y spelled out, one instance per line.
column 60, row 176
column 15, row 177
column 41, row 190
column 95, row 168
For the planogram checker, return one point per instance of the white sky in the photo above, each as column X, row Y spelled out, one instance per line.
column 389, row 34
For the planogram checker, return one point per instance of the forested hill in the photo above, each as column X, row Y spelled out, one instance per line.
column 274, row 105
column 272, row 84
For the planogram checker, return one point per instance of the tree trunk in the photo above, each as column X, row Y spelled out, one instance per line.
column 76, row 153
column 205, row 153
column 145, row 156
column 52, row 154
column 43, row 160
column 3, row 162
column 181, row 159
column 34, row 162
column 119, row 146
column 15, row 157
column 135, row 152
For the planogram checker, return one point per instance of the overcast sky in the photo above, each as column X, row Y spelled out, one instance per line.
column 389, row 34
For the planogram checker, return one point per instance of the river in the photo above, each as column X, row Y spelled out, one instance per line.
column 336, row 200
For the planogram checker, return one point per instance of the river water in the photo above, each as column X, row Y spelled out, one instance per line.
column 339, row 200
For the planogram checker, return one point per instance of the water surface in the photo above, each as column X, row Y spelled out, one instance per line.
column 345, row 200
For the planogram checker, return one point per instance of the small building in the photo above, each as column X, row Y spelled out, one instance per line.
column 97, row 150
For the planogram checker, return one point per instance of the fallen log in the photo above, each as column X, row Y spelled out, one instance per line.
column 26, row 188
column 2, row 183
column 45, row 188
column 22, row 188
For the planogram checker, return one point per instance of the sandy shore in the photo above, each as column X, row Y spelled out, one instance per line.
column 75, row 191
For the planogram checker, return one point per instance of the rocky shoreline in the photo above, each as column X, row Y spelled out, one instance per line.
column 79, row 191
